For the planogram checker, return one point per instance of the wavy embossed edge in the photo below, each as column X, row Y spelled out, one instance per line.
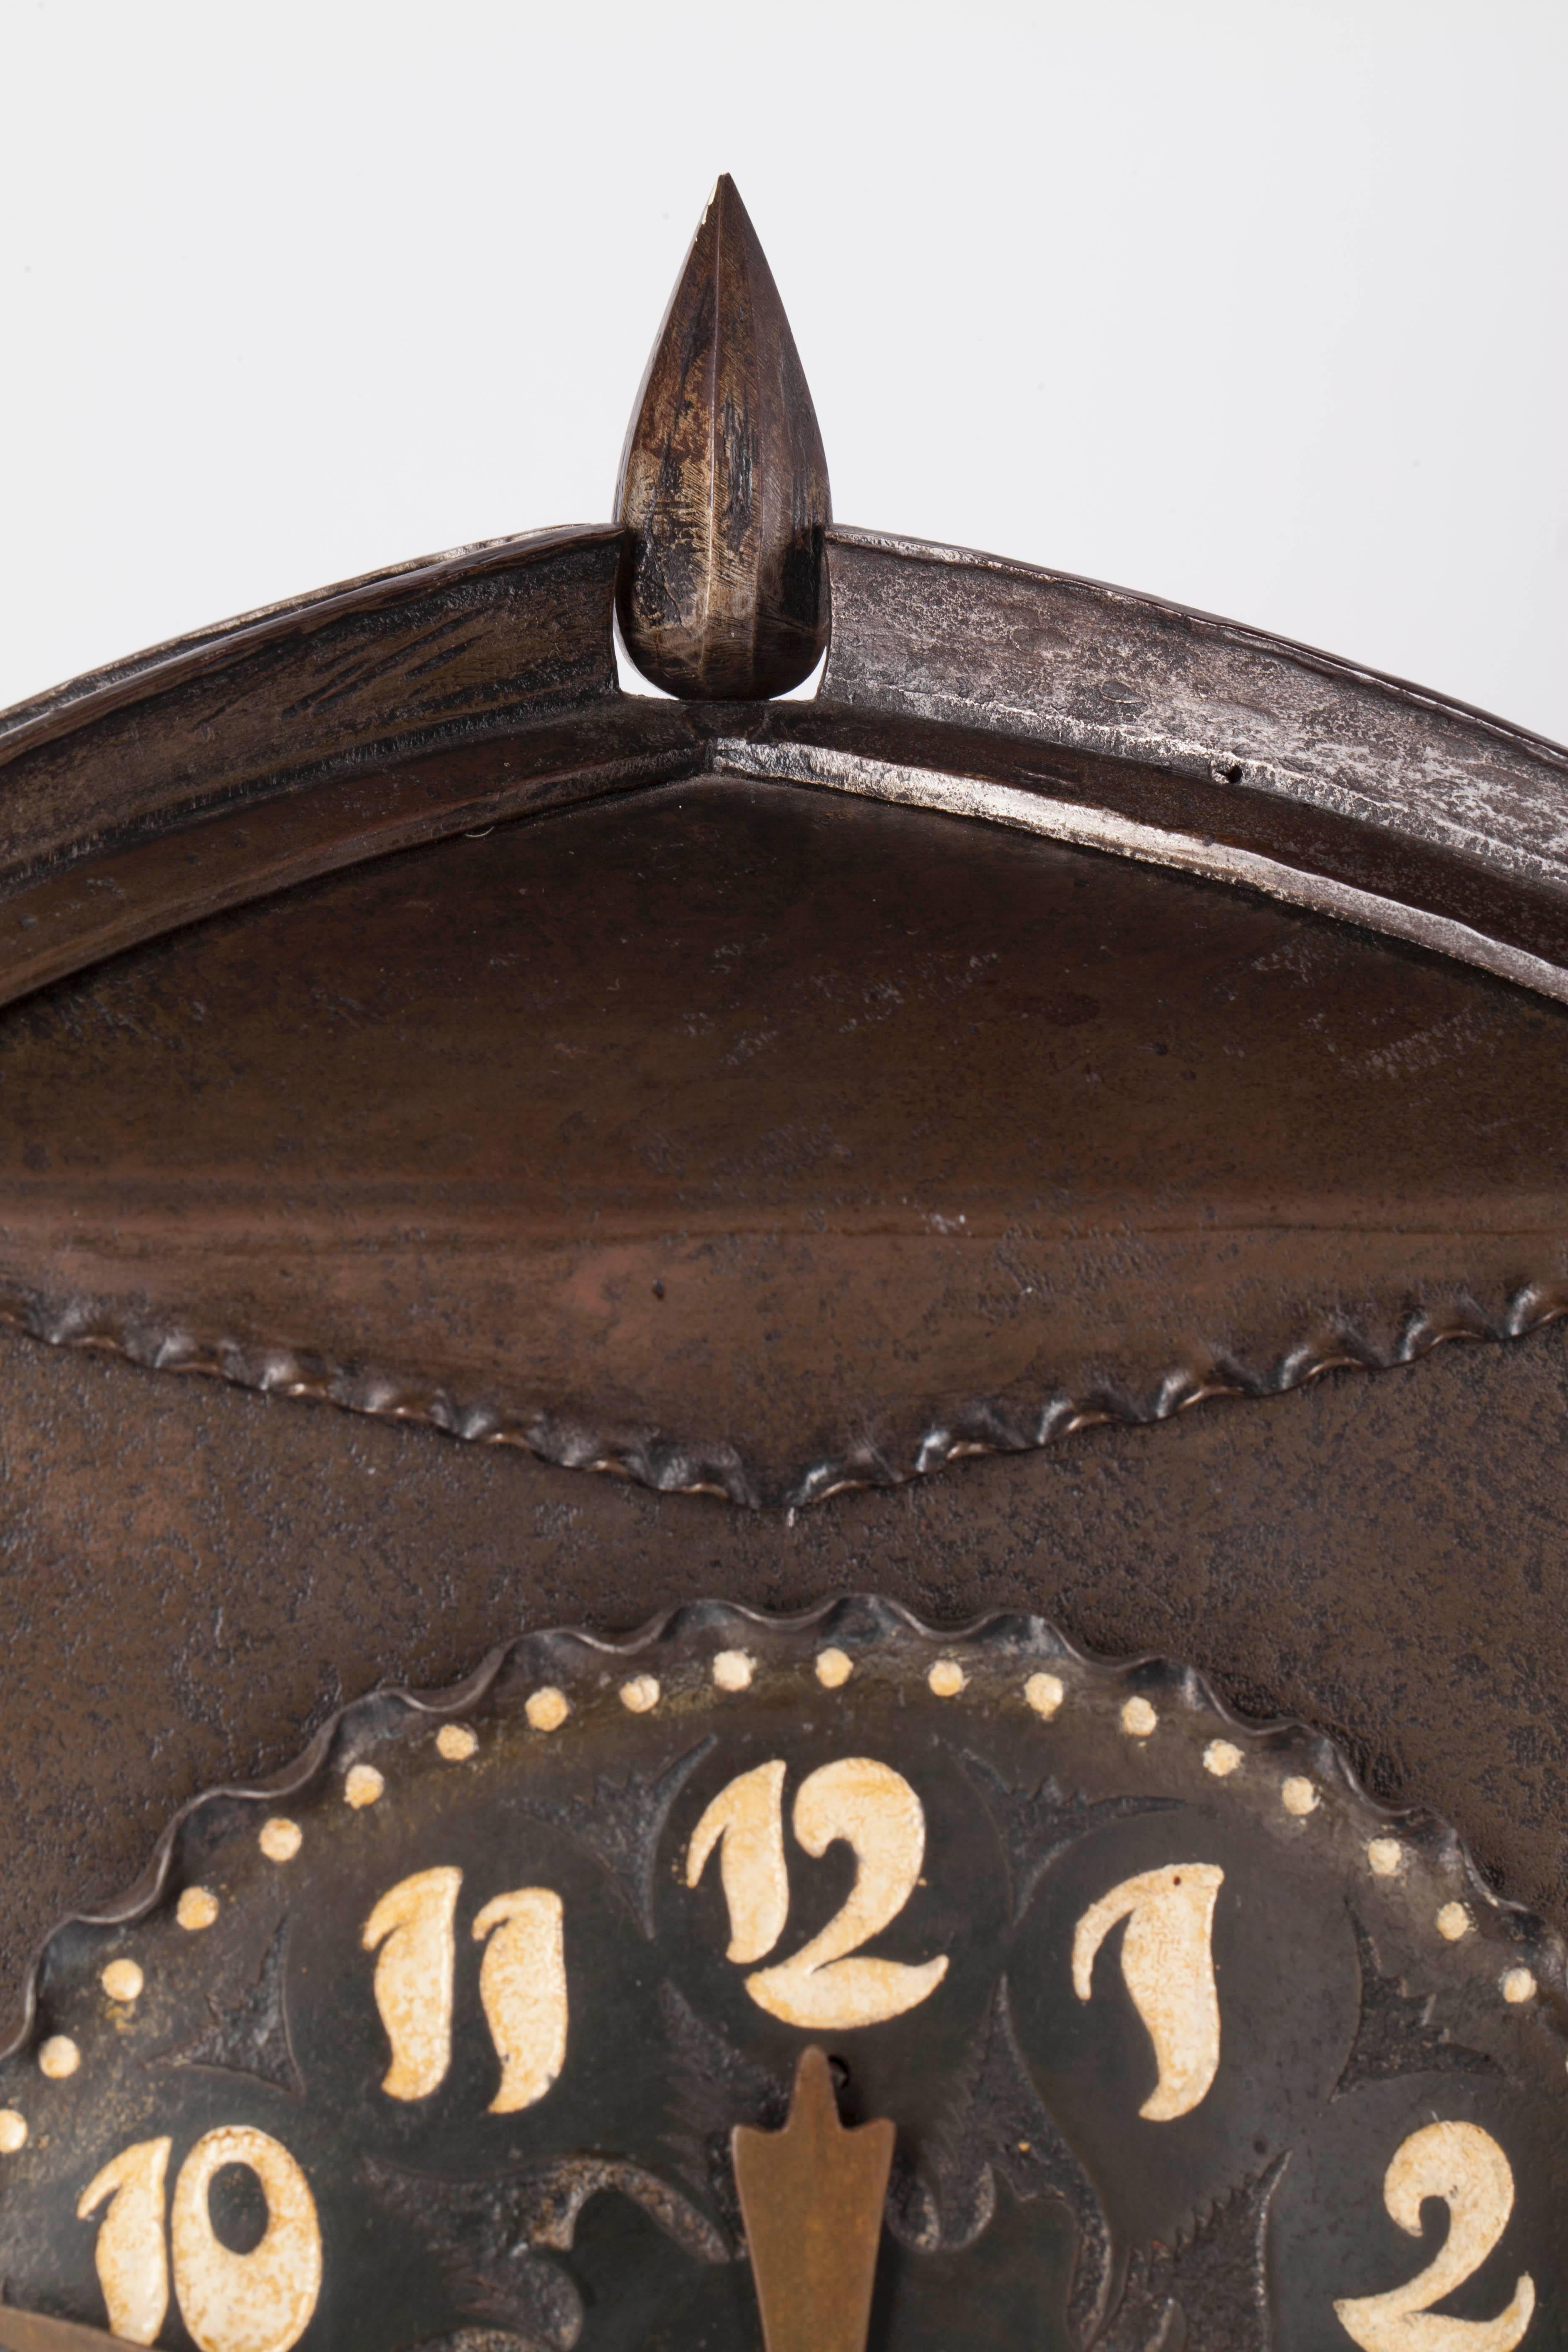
column 1523, row 1935
column 574, row 1440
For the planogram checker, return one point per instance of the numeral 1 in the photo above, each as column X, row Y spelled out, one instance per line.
column 132, row 2269
column 1167, row 1965
column 522, row 1983
column 412, row 1924
column 747, row 1816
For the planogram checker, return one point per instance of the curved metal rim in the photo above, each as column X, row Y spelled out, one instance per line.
column 1293, row 650
column 1175, row 787
column 1524, row 1933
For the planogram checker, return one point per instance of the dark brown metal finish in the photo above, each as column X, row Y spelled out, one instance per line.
column 760, row 1139
column 811, row 2197
column 723, row 485
column 1080, row 1010
column 451, row 648
column 499, row 1992
column 192, row 1572
column 77, row 912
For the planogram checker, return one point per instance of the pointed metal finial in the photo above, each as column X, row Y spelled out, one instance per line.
column 723, row 485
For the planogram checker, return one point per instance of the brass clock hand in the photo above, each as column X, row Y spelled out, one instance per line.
column 29, row 2331
column 812, row 2198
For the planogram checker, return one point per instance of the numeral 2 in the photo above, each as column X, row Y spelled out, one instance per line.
column 1466, row 2167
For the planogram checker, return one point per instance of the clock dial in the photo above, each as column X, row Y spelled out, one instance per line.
column 482, row 2028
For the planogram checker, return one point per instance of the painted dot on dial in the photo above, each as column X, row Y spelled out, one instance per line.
column 1138, row 1719
column 362, row 1785
column 1044, row 1693
column 547, row 1709
column 279, row 1840
column 1299, row 1796
column 457, row 1742
column 59, row 2057
column 1453, row 1921
column 947, row 1679
column 641, row 1694
column 1222, row 1757
column 12, row 2131
column 834, row 1668
column 123, row 1980
column 197, row 1909
column 1518, row 1984
column 1385, row 1857
column 732, row 1670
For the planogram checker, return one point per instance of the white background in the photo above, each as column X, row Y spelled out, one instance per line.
column 1260, row 306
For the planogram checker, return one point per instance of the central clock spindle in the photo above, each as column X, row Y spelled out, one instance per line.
column 812, row 2198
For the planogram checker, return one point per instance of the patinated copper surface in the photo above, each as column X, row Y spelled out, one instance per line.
column 193, row 1572
column 757, row 1140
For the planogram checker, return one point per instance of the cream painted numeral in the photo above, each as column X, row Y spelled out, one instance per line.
column 412, row 1924
column 259, row 2302
column 522, row 1983
column 1466, row 2167
column 824, row 1988
column 748, row 1817
column 132, row 2269
column 1167, row 1964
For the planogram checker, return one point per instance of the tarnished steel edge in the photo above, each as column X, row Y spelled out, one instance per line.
column 80, row 700
column 1023, row 1635
column 1290, row 650
column 570, row 1438
column 1086, row 828
column 904, row 647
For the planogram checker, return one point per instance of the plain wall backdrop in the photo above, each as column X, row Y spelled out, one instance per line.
column 1261, row 305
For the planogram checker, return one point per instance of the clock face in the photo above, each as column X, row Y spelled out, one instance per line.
column 444, row 2040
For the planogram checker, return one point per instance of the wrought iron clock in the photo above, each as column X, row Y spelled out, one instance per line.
column 823, row 1981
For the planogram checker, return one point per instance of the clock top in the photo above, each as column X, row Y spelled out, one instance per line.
column 1078, row 1008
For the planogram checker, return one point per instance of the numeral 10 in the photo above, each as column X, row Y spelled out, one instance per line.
column 258, row 2302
